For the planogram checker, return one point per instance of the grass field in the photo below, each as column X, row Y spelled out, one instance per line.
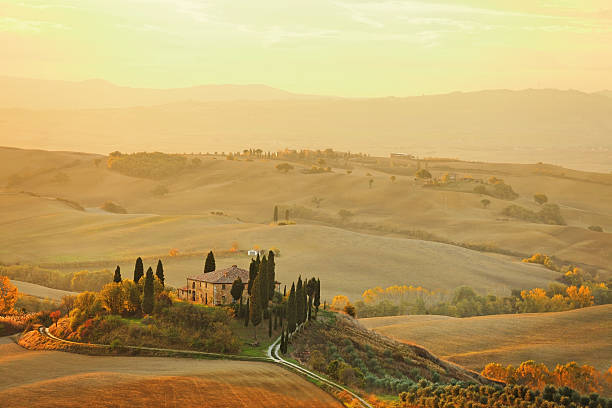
column 57, row 379
column 581, row 335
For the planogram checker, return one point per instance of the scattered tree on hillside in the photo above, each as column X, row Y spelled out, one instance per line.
column 370, row 182
column 287, row 215
column 148, row 296
column 209, row 264
column 317, row 201
column 8, row 295
column 117, row 277
column 284, row 167
column 159, row 272
column 540, row 198
column 485, row 202
column 595, row 228
column 138, row 270
column 275, row 213
column 350, row 310
column 423, row 173
column 237, row 289
column 291, row 310
column 393, row 178
column 345, row 214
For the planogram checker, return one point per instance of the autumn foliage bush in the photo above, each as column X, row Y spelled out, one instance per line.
column 584, row 379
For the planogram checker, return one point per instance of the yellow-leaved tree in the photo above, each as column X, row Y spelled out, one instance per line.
column 8, row 295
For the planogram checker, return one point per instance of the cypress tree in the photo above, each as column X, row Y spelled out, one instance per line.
column 299, row 301
column 252, row 275
column 291, row 310
column 285, row 291
column 305, row 304
column 138, row 270
column 237, row 289
column 117, row 277
column 270, row 327
column 247, row 315
column 287, row 215
column 159, row 272
column 275, row 213
column 317, row 297
column 271, row 274
column 148, row 299
column 262, row 275
column 209, row 264
column 255, row 306
column 310, row 290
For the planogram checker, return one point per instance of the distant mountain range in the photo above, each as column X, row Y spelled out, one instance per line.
column 96, row 93
column 493, row 125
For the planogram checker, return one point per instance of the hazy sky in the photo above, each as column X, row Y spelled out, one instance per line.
column 342, row 47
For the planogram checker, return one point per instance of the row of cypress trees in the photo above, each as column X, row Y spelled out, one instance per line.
column 303, row 297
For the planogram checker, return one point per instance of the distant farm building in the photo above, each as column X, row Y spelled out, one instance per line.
column 402, row 156
column 252, row 252
column 213, row 288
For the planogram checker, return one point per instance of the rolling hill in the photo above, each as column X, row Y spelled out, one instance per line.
column 58, row 379
column 581, row 335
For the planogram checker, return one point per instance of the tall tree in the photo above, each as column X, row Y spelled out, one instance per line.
column 252, row 274
column 270, row 327
column 299, row 301
column 148, row 299
column 287, row 215
column 275, row 213
column 262, row 275
column 159, row 272
column 247, row 313
column 255, row 304
column 237, row 289
column 317, row 297
column 138, row 270
column 209, row 264
column 117, row 277
column 291, row 310
column 311, row 287
column 271, row 274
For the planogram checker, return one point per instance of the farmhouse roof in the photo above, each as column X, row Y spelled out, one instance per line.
column 227, row 275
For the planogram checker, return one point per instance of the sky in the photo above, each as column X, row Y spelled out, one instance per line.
column 331, row 47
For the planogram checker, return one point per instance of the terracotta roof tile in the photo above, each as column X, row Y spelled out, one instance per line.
column 227, row 275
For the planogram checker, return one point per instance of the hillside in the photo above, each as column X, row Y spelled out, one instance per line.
column 582, row 335
column 58, row 379
column 542, row 125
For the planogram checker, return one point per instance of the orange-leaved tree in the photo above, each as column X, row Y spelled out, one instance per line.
column 8, row 295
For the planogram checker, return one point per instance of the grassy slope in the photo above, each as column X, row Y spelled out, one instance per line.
column 582, row 335
column 56, row 379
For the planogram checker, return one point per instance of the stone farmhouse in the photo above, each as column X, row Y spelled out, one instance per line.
column 213, row 288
